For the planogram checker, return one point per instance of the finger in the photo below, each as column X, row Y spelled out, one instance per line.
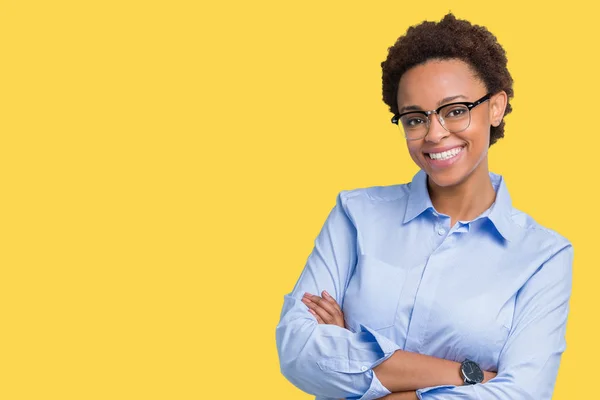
column 340, row 319
column 331, row 301
column 315, row 302
column 316, row 307
column 319, row 319
column 331, row 306
column 323, row 314
column 324, row 304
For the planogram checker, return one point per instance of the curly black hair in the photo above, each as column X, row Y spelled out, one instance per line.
column 450, row 38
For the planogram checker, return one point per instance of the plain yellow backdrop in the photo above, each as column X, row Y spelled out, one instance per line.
column 166, row 166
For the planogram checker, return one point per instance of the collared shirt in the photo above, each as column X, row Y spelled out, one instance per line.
column 494, row 290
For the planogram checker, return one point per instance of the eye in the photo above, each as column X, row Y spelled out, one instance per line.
column 455, row 112
column 413, row 120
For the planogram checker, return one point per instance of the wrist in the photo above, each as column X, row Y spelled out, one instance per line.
column 488, row 375
column 471, row 372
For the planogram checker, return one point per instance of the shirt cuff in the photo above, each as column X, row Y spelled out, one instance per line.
column 376, row 389
column 386, row 345
column 423, row 394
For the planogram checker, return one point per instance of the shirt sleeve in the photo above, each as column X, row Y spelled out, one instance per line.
column 528, row 364
column 326, row 360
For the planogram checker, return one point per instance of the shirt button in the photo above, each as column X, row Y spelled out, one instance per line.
column 441, row 231
column 363, row 368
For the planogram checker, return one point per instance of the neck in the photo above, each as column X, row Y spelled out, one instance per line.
column 466, row 200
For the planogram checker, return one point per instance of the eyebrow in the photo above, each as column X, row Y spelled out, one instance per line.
column 442, row 101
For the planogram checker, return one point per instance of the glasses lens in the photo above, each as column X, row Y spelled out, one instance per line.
column 414, row 125
column 456, row 117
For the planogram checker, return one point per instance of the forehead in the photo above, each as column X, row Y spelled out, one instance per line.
column 427, row 83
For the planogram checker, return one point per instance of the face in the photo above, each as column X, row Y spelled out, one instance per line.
column 450, row 158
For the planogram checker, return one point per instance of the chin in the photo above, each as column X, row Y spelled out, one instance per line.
column 445, row 180
column 448, row 178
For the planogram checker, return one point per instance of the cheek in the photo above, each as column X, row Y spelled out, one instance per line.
column 481, row 142
column 413, row 148
column 414, row 151
column 480, row 132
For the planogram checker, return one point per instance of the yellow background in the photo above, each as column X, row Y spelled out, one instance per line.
column 166, row 166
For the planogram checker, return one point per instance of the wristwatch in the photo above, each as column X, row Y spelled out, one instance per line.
column 471, row 372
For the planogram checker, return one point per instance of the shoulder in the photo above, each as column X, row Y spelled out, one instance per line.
column 374, row 195
column 374, row 202
column 532, row 234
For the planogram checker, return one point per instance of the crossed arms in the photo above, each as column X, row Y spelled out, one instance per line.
column 404, row 372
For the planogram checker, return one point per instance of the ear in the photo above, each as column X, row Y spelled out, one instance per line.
column 497, row 106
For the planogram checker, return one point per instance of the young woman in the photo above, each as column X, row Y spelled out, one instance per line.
column 438, row 288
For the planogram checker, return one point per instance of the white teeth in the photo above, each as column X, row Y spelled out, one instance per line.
column 444, row 155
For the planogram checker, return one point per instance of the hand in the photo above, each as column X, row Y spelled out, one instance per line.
column 325, row 309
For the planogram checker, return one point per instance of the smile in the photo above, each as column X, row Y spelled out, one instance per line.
column 445, row 155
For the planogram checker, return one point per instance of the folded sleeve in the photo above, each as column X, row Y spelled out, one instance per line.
column 529, row 361
column 326, row 360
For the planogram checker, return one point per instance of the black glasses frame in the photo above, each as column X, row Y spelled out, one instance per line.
column 468, row 104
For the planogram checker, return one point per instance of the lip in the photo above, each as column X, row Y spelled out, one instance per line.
column 442, row 149
column 441, row 164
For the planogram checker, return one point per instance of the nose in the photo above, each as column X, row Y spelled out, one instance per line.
column 436, row 131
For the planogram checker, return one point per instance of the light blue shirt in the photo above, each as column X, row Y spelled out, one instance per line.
column 494, row 290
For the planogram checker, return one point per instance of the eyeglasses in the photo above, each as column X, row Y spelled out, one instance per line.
column 454, row 117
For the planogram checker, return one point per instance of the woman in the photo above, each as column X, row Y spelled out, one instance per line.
column 439, row 288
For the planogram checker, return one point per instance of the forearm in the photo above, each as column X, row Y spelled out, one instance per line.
column 327, row 360
column 412, row 395
column 406, row 371
column 401, row 396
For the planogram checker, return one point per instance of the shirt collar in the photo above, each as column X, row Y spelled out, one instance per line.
column 499, row 213
column 418, row 197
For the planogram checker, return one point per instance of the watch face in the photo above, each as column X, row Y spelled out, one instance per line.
column 472, row 372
